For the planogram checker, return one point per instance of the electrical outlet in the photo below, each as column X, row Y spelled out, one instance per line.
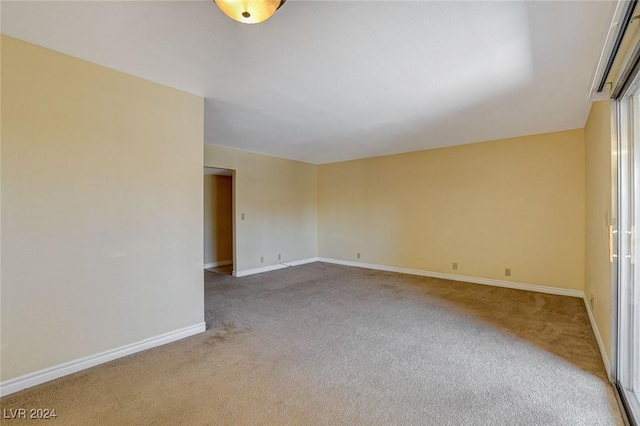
column 454, row 266
column 279, row 257
column 241, row 216
column 592, row 302
column 261, row 259
column 507, row 272
column 358, row 255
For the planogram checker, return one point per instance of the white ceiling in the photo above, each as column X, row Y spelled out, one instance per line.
column 325, row 81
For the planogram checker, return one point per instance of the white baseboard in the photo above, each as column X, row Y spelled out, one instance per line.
column 259, row 270
column 465, row 278
column 218, row 263
column 32, row 379
column 301, row 262
column 273, row 267
column 596, row 332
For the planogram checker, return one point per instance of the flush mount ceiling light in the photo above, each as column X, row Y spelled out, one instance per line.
column 249, row 11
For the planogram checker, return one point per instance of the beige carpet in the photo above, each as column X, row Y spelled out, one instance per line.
column 326, row 344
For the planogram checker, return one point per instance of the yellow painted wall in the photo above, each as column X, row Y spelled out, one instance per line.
column 0, row 202
column 218, row 219
column 598, row 202
column 514, row 203
column 278, row 198
column 101, row 209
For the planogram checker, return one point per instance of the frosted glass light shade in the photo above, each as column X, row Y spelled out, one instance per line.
column 249, row 11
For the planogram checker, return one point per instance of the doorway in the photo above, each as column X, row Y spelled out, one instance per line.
column 218, row 220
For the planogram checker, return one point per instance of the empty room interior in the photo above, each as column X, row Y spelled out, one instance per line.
column 319, row 212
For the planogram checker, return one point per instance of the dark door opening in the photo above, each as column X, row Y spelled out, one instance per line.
column 218, row 220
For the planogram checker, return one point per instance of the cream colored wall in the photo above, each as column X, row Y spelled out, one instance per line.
column 0, row 202
column 278, row 198
column 101, row 209
column 598, row 202
column 515, row 203
column 218, row 219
